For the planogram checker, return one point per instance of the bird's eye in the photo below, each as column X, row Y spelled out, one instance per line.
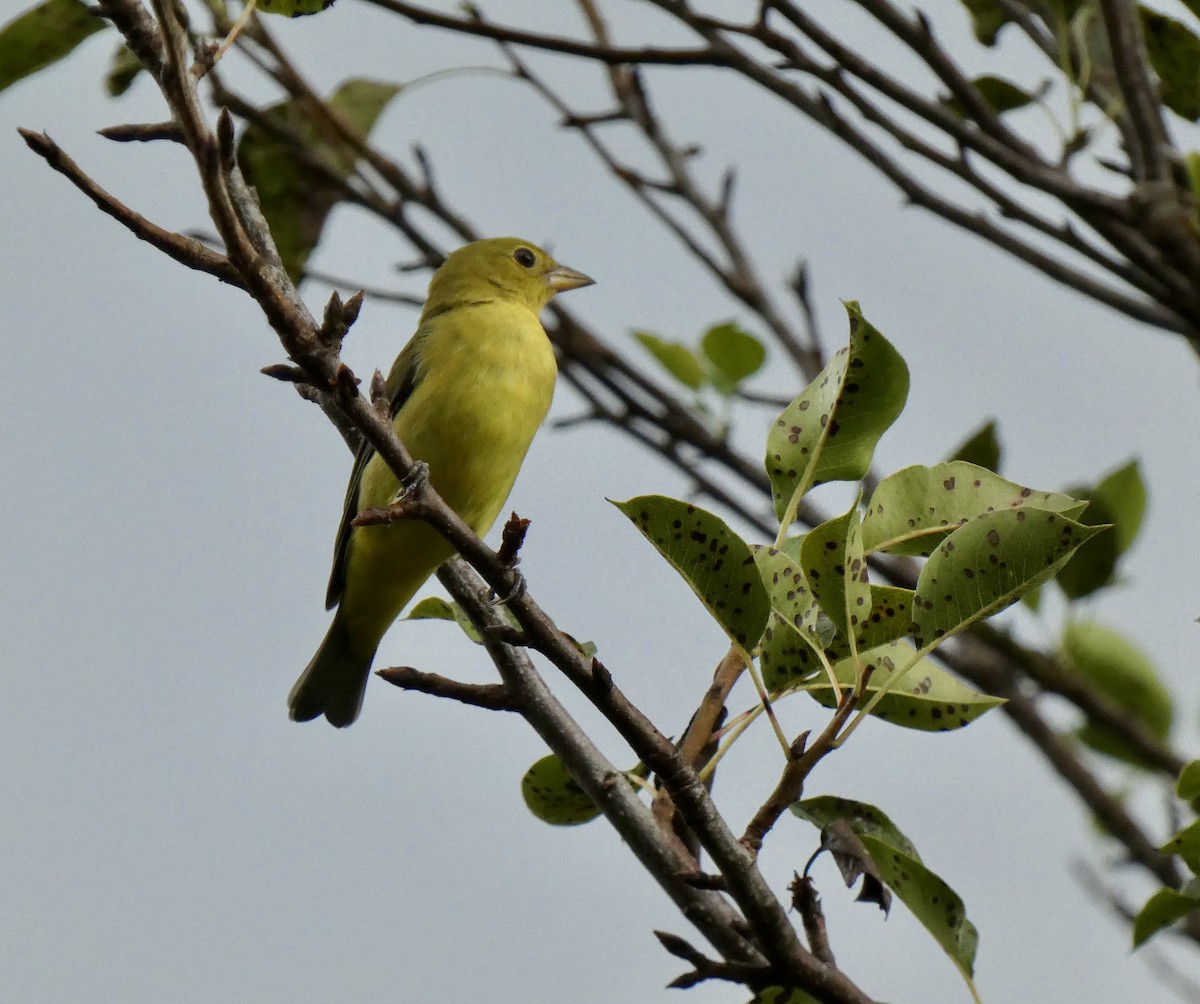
column 524, row 257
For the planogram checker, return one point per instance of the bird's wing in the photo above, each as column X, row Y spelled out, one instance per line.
column 402, row 379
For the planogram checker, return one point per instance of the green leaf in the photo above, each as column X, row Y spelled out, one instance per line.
column 786, row 588
column 297, row 199
column 1187, row 785
column 831, row 558
column 122, row 71
column 1191, row 160
column 785, row 656
column 981, row 448
column 1095, row 564
column 42, row 36
column 929, row 898
column 294, row 8
column 1186, row 844
column 916, row 508
column 712, row 559
column 829, row 432
column 889, row 618
column 928, row 699
column 435, row 608
column 1120, row 671
column 1120, row 499
column 1174, row 52
column 1164, row 908
column 987, row 18
column 733, row 354
column 1003, row 95
column 1124, row 492
column 865, row 819
column 554, row 796
column 938, row 907
column 676, row 358
column 986, row 564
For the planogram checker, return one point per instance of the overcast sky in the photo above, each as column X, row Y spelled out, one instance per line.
column 169, row 835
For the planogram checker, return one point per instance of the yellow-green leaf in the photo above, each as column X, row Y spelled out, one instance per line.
column 830, row 431
column 928, row 699
column 916, row 508
column 987, row 564
column 554, row 796
column 712, row 559
column 294, row 8
column 676, row 359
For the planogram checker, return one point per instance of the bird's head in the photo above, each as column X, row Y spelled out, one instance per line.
column 508, row 267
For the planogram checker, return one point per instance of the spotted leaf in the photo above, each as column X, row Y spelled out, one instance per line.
column 927, row 699
column 929, row 898
column 554, row 796
column 786, row 656
column 986, row 564
column 712, row 559
column 829, row 432
column 832, row 559
column 865, row 819
column 938, row 907
column 916, row 508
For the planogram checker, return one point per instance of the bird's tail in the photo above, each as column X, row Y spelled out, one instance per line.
column 334, row 682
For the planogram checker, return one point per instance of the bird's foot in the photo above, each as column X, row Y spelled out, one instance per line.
column 416, row 479
column 518, row 589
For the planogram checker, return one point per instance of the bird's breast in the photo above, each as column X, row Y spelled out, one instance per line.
column 487, row 378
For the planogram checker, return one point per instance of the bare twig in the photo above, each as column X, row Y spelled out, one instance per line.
column 184, row 250
column 489, row 696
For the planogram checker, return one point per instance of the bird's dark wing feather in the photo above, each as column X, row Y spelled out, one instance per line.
column 403, row 378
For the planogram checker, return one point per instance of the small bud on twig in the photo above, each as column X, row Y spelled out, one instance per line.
column 345, row 382
column 286, row 373
column 225, row 141
column 512, row 539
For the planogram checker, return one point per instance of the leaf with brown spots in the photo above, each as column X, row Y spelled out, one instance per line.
column 927, row 699
column 930, row 899
column 938, row 907
column 712, row 559
column 786, row 655
column 829, row 432
column 916, row 508
column 832, row 560
column 987, row 564
column 787, row 588
column 554, row 796
column 865, row 819
column 889, row 618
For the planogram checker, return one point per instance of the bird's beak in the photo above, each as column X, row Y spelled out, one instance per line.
column 560, row 279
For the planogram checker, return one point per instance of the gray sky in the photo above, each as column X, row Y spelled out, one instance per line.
column 170, row 835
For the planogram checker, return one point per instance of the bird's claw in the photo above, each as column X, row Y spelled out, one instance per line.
column 518, row 589
column 415, row 480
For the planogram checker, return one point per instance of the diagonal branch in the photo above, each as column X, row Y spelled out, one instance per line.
column 185, row 250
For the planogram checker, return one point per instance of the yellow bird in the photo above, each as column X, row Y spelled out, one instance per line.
column 468, row 393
